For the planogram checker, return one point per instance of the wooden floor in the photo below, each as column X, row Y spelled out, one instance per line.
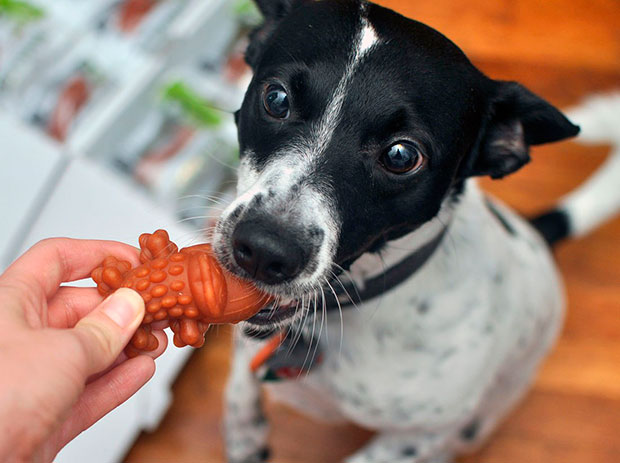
column 562, row 50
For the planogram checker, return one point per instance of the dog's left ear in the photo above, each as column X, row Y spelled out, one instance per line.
column 273, row 12
column 274, row 9
column 518, row 119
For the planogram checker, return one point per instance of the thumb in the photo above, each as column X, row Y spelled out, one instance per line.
column 105, row 331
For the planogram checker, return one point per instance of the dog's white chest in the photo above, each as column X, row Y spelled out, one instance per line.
column 477, row 317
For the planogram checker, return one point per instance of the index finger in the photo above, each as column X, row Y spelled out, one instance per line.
column 59, row 260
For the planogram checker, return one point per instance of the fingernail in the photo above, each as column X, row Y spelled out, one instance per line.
column 124, row 307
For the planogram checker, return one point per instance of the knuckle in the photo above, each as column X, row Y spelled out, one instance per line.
column 17, row 289
column 47, row 244
column 98, row 343
column 103, row 338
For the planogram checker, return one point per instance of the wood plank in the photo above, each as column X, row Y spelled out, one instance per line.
column 588, row 367
column 556, row 427
column 575, row 33
column 192, row 429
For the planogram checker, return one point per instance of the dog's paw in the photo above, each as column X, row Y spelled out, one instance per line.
column 261, row 456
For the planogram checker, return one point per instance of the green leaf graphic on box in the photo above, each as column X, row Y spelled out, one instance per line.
column 20, row 11
column 192, row 104
column 247, row 11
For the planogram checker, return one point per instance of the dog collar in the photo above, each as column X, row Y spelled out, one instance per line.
column 347, row 294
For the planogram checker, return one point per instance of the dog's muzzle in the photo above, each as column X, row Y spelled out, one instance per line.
column 341, row 294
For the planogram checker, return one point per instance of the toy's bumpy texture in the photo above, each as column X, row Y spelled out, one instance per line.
column 186, row 287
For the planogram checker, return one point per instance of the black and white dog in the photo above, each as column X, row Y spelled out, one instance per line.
column 360, row 135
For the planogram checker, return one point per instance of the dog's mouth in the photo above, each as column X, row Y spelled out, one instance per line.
column 275, row 313
column 288, row 307
column 284, row 310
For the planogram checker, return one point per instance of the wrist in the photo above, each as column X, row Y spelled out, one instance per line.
column 18, row 437
column 26, row 418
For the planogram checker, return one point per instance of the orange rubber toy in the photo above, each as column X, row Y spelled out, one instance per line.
column 187, row 287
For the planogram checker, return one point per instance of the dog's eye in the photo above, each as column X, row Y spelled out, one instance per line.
column 276, row 102
column 402, row 157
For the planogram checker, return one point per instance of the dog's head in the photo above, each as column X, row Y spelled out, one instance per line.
column 358, row 127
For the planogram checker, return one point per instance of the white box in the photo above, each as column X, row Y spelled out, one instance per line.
column 29, row 165
column 92, row 202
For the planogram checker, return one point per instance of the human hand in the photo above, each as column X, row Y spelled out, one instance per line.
column 61, row 361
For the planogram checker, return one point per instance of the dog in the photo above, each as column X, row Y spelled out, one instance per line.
column 361, row 135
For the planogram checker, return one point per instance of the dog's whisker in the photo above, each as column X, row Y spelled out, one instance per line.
column 351, row 278
column 324, row 307
column 311, row 337
column 299, row 328
column 290, row 332
column 202, row 235
column 323, row 317
column 197, row 217
column 296, row 329
column 323, row 321
column 220, row 161
column 209, row 203
column 190, row 238
column 216, row 198
column 275, row 306
column 201, row 208
column 339, row 312
column 313, row 349
column 346, row 292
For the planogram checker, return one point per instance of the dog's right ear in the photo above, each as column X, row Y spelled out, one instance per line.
column 273, row 12
column 518, row 119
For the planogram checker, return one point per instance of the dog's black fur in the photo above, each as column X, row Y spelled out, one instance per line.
column 418, row 86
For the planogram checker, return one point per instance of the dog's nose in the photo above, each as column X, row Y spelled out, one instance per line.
column 267, row 252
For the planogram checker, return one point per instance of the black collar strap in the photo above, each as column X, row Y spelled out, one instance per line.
column 349, row 295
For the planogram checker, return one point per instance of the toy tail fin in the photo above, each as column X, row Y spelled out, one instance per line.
column 598, row 199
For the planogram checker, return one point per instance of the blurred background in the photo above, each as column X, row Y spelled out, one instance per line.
column 116, row 119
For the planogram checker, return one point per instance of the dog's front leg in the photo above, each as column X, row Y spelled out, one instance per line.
column 246, row 426
column 403, row 447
